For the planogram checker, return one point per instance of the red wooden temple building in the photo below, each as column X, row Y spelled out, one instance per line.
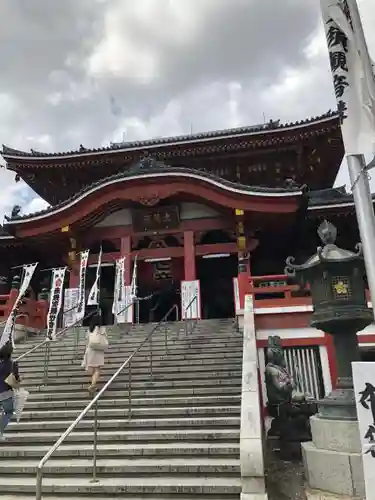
column 189, row 207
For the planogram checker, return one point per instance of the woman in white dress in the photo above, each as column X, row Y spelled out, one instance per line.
column 94, row 359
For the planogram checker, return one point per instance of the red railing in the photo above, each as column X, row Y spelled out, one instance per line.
column 32, row 313
column 277, row 291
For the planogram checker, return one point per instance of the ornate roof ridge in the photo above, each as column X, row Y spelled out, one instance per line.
column 271, row 126
column 149, row 165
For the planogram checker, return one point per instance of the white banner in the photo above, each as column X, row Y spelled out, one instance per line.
column 70, row 303
column 134, row 278
column 236, row 292
column 7, row 334
column 364, row 389
column 352, row 83
column 55, row 301
column 119, row 294
column 126, row 313
column 80, row 311
column 189, row 290
column 93, row 299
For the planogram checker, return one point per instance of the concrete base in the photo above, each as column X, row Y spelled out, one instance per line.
column 337, row 435
column 323, row 495
column 333, row 460
column 254, row 496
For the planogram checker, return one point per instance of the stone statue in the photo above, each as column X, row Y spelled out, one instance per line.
column 287, row 404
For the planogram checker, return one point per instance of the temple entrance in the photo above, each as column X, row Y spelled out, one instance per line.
column 158, row 288
column 107, row 285
column 216, row 273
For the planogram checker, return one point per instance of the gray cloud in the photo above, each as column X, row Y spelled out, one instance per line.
column 170, row 65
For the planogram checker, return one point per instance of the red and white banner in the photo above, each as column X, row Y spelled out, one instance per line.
column 80, row 312
column 55, row 301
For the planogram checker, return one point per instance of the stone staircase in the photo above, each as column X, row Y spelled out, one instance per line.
column 182, row 441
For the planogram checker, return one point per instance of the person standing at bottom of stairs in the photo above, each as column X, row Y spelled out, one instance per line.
column 9, row 380
column 94, row 359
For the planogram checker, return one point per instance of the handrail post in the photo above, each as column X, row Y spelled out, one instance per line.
column 151, row 356
column 130, row 392
column 39, row 481
column 46, row 362
column 76, row 341
column 165, row 338
column 95, row 446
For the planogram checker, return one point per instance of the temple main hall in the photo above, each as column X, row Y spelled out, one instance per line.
column 188, row 207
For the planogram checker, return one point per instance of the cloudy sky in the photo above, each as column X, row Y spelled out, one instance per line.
column 93, row 71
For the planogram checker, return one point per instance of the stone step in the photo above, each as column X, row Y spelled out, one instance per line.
column 153, row 383
column 144, row 392
column 144, row 436
column 125, row 486
column 28, row 379
column 29, row 496
column 125, row 423
column 156, row 412
column 144, row 367
column 169, row 402
column 115, row 358
column 136, row 467
column 153, row 412
column 115, row 353
column 136, row 342
column 165, row 449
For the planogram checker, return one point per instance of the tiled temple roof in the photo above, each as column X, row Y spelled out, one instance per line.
column 149, row 166
column 272, row 126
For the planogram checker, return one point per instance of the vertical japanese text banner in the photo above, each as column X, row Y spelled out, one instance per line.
column 351, row 80
column 55, row 301
column 80, row 313
column 364, row 390
column 93, row 299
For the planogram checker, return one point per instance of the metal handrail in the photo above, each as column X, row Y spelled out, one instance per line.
column 122, row 311
column 192, row 321
column 94, row 403
column 47, row 344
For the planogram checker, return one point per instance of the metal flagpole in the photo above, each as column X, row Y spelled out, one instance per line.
column 359, row 178
column 365, row 215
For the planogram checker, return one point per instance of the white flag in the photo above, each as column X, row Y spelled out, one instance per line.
column 354, row 86
column 134, row 279
column 118, row 296
column 55, row 301
column 7, row 334
column 93, row 299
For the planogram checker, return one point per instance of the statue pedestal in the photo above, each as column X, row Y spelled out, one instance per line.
column 333, row 461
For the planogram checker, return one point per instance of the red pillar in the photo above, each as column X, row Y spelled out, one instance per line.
column 125, row 251
column 189, row 256
column 74, row 276
column 243, row 278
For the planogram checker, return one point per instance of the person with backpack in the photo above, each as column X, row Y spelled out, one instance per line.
column 97, row 344
column 9, row 380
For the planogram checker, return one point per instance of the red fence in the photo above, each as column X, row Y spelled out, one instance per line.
column 32, row 313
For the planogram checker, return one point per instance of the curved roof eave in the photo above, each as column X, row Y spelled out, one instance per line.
column 213, row 181
column 14, row 154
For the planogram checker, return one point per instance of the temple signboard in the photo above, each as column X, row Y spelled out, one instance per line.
column 364, row 388
column 156, row 219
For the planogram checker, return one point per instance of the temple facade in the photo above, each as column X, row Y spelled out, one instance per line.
column 190, row 209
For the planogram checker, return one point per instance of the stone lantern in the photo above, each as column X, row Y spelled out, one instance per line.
column 336, row 278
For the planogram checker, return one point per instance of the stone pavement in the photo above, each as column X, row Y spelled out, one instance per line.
column 285, row 479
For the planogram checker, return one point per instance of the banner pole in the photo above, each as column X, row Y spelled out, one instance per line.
column 365, row 215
